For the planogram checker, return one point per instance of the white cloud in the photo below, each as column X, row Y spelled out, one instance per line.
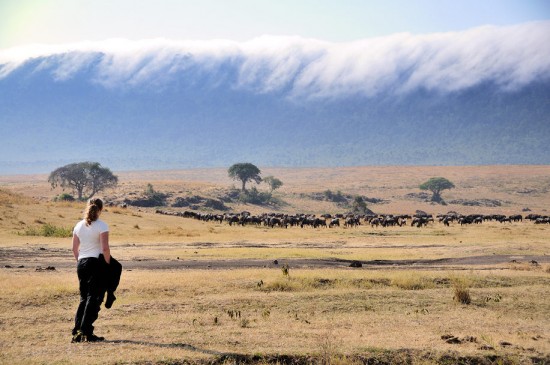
column 510, row 57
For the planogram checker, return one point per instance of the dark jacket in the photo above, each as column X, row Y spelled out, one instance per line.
column 111, row 273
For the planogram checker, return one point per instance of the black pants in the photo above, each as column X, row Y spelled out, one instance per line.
column 92, row 290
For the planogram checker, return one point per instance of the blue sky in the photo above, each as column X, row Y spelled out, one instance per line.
column 24, row 22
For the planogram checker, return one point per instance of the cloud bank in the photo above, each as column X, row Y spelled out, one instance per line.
column 509, row 57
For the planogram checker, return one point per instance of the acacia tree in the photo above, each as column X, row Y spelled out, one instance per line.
column 84, row 178
column 436, row 185
column 273, row 183
column 245, row 172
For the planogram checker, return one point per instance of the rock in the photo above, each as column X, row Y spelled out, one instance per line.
column 486, row 347
column 505, row 344
column 454, row 340
column 8, row 266
column 356, row 264
column 275, row 262
column 49, row 268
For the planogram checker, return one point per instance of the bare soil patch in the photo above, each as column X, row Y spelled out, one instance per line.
column 17, row 257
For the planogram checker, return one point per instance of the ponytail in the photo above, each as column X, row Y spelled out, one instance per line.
column 93, row 208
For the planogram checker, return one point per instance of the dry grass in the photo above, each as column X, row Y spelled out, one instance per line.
column 328, row 313
column 461, row 291
column 336, row 316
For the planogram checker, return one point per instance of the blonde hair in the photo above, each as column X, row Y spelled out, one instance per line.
column 93, row 208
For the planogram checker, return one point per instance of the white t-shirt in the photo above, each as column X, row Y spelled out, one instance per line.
column 90, row 246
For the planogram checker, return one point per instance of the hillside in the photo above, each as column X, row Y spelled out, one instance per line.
column 479, row 189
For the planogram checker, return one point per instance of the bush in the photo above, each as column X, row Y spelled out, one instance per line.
column 215, row 204
column 253, row 196
column 64, row 198
column 335, row 197
column 461, row 292
column 49, row 230
column 152, row 198
column 359, row 205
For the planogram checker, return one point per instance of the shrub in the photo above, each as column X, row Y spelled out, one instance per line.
column 215, row 204
column 49, row 230
column 285, row 269
column 335, row 197
column 65, row 197
column 359, row 205
column 461, row 292
column 253, row 196
column 151, row 198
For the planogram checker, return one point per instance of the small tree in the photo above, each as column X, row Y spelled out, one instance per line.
column 84, row 178
column 273, row 183
column 245, row 172
column 436, row 185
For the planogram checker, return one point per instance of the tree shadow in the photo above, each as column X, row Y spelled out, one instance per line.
column 171, row 345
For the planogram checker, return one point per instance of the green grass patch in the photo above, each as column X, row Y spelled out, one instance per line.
column 48, row 230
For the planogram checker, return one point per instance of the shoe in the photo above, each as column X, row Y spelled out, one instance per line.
column 92, row 338
column 77, row 337
column 110, row 299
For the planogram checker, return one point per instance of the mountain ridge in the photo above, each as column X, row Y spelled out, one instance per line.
column 289, row 106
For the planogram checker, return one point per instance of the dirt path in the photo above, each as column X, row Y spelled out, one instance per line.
column 337, row 263
column 43, row 258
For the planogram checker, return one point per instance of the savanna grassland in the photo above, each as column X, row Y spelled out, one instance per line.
column 206, row 292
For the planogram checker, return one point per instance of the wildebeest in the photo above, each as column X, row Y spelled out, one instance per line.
column 352, row 222
column 542, row 220
column 231, row 219
column 421, row 221
column 276, row 221
column 516, row 218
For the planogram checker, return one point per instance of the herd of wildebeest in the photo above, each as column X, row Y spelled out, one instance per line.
column 419, row 219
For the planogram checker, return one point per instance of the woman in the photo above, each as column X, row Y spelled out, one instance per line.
column 90, row 240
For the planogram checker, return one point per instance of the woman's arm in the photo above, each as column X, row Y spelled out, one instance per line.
column 76, row 246
column 104, row 239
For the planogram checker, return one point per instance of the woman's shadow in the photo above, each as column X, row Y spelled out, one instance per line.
column 171, row 345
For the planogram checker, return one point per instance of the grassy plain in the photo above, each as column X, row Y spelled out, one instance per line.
column 189, row 295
